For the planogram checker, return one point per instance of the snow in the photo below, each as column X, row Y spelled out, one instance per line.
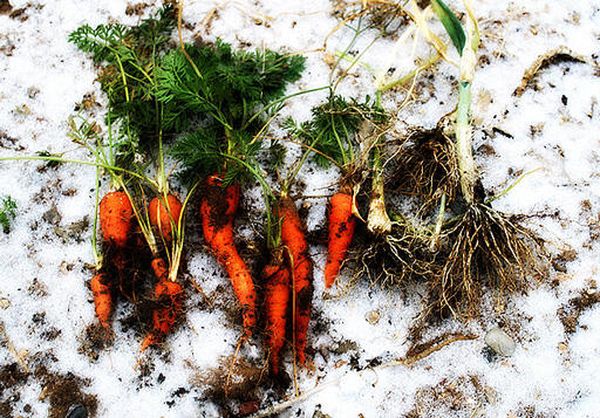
column 551, row 373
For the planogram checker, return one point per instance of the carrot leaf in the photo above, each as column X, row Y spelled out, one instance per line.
column 128, row 58
column 333, row 128
column 224, row 90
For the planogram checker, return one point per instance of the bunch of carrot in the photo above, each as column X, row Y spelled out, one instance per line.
column 335, row 134
column 129, row 58
column 288, row 287
column 231, row 92
column 117, row 220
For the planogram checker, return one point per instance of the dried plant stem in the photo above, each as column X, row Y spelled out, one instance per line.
column 378, row 221
column 413, row 358
column 408, row 361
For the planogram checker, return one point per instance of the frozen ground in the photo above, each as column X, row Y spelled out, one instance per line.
column 45, row 305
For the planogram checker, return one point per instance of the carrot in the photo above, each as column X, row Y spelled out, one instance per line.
column 165, row 218
column 217, row 209
column 102, row 290
column 277, row 294
column 293, row 236
column 116, row 214
column 169, row 300
column 341, row 230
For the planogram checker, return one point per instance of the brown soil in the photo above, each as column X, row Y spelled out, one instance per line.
column 570, row 313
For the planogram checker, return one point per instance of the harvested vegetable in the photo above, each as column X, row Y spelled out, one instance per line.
column 169, row 300
column 101, row 287
column 340, row 132
column 485, row 247
column 293, row 237
column 116, row 221
column 116, row 218
column 217, row 210
column 231, row 93
column 165, row 214
column 276, row 277
column 129, row 59
column 341, row 230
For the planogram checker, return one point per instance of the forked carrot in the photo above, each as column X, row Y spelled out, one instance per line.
column 116, row 220
column 341, row 230
column 169, row 299
column 217, row 209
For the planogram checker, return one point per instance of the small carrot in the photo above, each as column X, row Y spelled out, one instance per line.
column 277, row 293
column 341, row 230
column 102, row 290
column 293, row 236
column 169, row 300
column 165, row 217
column 217, row 210
column 116, row 214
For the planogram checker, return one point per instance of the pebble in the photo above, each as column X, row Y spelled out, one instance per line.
column 373, row 317
column 77, row 411
column 500, row 342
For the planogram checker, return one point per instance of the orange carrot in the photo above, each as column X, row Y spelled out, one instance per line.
column 116, row 214
column 293, row 236
column 341, row 230
column 165, row 217
column 102, row 291
column 277, row 294
column 169, row 300
column 217, row 209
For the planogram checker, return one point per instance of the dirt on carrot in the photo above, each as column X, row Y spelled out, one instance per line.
column 341, row 230
column 168, row 297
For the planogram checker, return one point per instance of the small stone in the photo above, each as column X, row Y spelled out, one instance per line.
column 319, row 414
column 65, row 267
column 77, row 411
column 500, row 342
column 32, row 92
column 373, row 317
column 52, row 216
column 4, row 303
